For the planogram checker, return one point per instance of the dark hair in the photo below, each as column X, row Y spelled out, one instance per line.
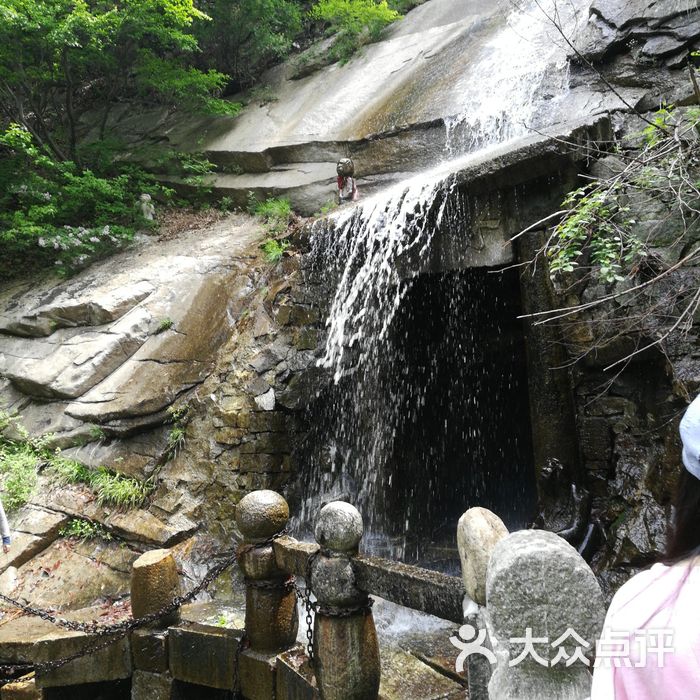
column 684, row 534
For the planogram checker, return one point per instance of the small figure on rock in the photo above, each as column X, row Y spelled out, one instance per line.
column 4, row 530
column 650, row 648
column 148, row 211
column 347, row 188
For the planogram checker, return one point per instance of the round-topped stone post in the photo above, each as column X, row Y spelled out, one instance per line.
column 154, row 584
column 271, row 619
column 346, row 651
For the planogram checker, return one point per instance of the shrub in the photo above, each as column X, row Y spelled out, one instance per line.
column 356, row 22
column 53, row 213
column 110, row 489
column 274, row 249
column 121, row 491
column 18, row 467
column 82, row 530
column 164, row 325
column 276, row 213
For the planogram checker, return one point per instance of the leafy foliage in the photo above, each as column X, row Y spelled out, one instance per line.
column 246, row 36
column 356, row 22
column 110, row 488
column 20, row 457
column 598, row 226
column 118, row 490
column 633, row 228
column 81, row 529
column 274, row 249
column 18, row 467
column 59, row 58
column 54, row 213
column 276, row 213
column 164, row 325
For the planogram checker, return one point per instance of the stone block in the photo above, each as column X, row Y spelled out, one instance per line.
column 257, row 675
column 265, row 463
column 108, row 664
column 295, row 678
column 154, row 583
column 404, row 676
column 595, row 439
column 284, row 314
column 38, row 521
column 303, row 316
column 230, row 436
column 273, row 422
column 267, row 443
column 24, row 547
column 236, row 418
column 149, row 650
column 306, row 339
column 203, row 655
column 537, row 581
column 152, row 686
column 21, row 690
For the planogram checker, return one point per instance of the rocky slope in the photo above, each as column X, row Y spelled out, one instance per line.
column 199, row 324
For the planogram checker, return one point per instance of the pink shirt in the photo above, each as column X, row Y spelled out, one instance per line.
column 656, row 608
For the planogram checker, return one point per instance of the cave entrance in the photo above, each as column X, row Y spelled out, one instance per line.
column 462, row 428
column 433, row 420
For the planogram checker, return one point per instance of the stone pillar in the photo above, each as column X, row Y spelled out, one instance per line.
column 271, row 619
column 154, row 584
column 478, row 532
column 539, row 586
column 346, row 651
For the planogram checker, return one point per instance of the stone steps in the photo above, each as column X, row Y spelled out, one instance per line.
column 305, row 172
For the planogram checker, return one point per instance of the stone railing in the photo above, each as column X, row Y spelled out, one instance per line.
column 528, row 582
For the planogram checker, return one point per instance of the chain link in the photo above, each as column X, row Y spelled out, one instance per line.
column 112, row 633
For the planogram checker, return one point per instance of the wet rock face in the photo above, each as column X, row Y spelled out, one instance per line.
column 660, row 30
column 636, row 43
column 627, row 422
column 94, row 363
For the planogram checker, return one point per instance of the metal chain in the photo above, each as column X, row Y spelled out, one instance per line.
column 114, row 632
column 364, row 608
column 284, row 584
column 304, row 596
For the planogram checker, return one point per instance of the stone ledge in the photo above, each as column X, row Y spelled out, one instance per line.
column 204, row 655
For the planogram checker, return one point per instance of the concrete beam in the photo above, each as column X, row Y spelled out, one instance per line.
column 411, row 586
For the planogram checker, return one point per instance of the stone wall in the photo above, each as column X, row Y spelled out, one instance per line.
column 627, row 415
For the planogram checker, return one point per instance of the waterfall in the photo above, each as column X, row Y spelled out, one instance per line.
column 522, row 68
column 374, row 254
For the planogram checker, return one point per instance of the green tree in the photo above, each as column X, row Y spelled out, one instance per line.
column 59, row 58
column 356, row 22
column 246, row 36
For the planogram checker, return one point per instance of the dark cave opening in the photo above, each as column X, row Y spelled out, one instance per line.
column 463, row 434
column 428, row 421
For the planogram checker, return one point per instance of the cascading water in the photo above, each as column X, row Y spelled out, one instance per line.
column 522, row 68
column 417, row 417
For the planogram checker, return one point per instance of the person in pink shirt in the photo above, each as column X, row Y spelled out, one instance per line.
column 650, row 648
